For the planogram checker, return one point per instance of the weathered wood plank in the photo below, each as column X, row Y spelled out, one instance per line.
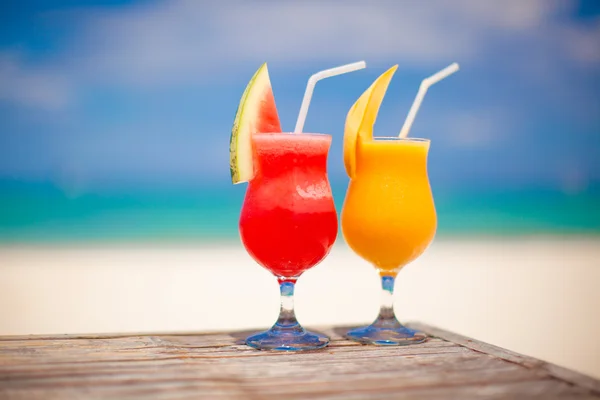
column 217, row 365
column 115, row 351
column 552, row 370
column 315, row 370
column 543, row 389
column 208, row 337
column 279, row 363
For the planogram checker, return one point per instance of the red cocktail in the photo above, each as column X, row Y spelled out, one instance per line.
column 288, row 223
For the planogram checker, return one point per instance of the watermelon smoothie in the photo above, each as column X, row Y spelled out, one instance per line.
column 288, row 224
column 288, row 221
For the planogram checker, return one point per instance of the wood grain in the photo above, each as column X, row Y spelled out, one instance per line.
column 528, row 362
column 218, row 365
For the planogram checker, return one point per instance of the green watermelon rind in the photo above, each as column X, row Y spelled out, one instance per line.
column 245, row 118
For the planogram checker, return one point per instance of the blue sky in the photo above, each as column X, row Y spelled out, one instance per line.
column 100, row 94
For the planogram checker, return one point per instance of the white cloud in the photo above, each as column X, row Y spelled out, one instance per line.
column 30, row 86
column 189, row 41
column 468, row 129
column 582, row 43
column 476, row 129
column 184, row 39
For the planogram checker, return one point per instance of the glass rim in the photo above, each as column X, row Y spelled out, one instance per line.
column 399, row 139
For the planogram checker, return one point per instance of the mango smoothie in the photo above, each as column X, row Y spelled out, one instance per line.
column 389, row 216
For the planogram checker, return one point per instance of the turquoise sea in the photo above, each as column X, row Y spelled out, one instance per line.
column 43, row 212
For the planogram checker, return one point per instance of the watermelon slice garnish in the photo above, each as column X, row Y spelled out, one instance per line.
column 256, row 113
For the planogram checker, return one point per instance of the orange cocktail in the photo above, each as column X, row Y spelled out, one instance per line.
column 388, row 216
column 389, row 219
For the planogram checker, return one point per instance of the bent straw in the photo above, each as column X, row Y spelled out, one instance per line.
column 310, row 87
column 425, row 84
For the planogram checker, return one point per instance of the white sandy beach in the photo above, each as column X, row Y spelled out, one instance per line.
column 537, row 296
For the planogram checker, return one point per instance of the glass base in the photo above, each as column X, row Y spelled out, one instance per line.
column 396, row 335
column 287, row 340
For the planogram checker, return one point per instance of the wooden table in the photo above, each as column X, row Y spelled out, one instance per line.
column 219, row 366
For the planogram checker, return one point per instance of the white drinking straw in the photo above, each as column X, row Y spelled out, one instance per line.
column 435, row 78
column 310, row 87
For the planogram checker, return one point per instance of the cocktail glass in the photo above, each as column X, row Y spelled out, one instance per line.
column 288, row 224
column 389, row 219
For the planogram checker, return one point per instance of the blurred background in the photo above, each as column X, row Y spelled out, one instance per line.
column 116, row 207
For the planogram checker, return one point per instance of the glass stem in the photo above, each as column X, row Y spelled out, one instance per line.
column 386, row 317
column 287, row 323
